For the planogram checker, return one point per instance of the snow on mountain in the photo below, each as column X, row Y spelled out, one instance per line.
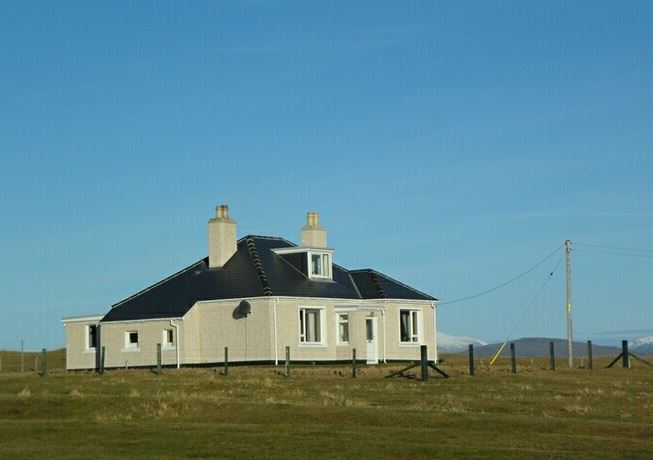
column 455, row 344
column 643, row 345
column 641, row 341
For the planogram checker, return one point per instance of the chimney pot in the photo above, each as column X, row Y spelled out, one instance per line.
column 312, row 219
column 222, row 212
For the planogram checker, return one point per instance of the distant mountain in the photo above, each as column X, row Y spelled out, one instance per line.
column 539, row 346
column 456, row 344
column 641, row 346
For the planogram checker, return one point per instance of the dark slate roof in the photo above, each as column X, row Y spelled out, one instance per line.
column 254, row 271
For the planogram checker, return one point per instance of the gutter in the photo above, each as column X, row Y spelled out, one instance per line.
column 176, row 341
column 276, row 347
column 435, row 333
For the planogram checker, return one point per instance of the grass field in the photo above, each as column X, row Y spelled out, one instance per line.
column 321, row 412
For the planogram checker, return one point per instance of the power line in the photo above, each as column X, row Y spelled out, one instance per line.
column 612, row 247
column 615, row 253
column 533, row 300
column 505, row 283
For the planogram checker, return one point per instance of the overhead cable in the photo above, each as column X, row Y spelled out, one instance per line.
column 612, row 247
column 645, row 256
column 505, row 283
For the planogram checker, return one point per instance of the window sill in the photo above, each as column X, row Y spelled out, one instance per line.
column 343, row 344
column 89, row 350
column 410, row 344
column 313, row 345
column 167, row 347
column 129, row 350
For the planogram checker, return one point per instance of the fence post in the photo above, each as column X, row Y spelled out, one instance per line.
column 513, row 361
column 102, row 355
column 287, row 361
column 158, row 358
column 624, row 354
column 552, row 357
column 44, row 363
column 226, row 360
column 424, row 363
column 471, row 359
column 353, row 363
column 589, row 354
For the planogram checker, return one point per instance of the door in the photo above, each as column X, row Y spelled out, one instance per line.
column 372, row 341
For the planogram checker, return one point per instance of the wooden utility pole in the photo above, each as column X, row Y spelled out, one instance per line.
column 570, row 339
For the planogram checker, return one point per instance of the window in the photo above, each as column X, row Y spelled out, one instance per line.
column 369, row 329
column 131, row 340
column 409, row 325
column 343, row 328
column 168, row 338
column 319, row 265
column 310, row 325
column 91, row 336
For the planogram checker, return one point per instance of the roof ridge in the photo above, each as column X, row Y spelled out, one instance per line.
column 256, row 260
column 377, row 284
column 400, row 283
column 266, row 237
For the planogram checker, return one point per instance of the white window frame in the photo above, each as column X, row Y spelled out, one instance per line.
column 169, row 332
column 414, row 326
column 324, row 265
column 302, row 324
column 339, row 321
column 88, row 336
column 130, row 346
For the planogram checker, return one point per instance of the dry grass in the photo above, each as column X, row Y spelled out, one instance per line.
column 321, row 412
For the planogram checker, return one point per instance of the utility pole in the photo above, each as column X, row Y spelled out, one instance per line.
column 569, row 302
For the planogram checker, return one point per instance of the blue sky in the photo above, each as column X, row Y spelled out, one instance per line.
column 451, row 145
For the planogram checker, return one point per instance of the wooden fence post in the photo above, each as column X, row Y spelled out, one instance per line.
column 424, row 363
column 226, row 360
column 513, row 361
column 44, row 362
column 624, row 354
column 552, row 357
column 589, row 354
column 158, row 358
column 471, row 359
column 287, row 361
column 353, row 363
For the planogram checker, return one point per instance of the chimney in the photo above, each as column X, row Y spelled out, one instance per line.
column 312, row 235
column 222, row 237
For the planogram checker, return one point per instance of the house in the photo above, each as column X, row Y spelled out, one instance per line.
column 258, row 295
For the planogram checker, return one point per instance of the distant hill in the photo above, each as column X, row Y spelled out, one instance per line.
column 539, row 346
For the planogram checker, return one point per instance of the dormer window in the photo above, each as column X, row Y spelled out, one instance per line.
column 320, row 265
column 314, row 263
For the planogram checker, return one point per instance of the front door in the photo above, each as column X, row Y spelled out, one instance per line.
column 372, row 341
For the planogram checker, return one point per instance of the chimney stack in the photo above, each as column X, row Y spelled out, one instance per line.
column 222, row 237
column 312, row 235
